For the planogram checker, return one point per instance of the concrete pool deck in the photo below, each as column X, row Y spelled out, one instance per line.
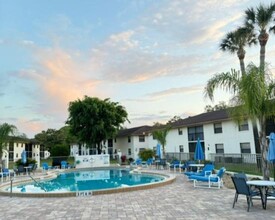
column 179, row 200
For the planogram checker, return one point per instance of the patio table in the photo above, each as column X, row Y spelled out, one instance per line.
column 199, row 166
column 263, row 185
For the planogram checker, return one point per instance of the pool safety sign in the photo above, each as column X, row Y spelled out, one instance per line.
column 87, row 161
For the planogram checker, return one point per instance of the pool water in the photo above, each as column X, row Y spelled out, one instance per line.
column 88, row 180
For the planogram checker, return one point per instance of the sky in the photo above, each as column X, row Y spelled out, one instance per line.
column 153, row 57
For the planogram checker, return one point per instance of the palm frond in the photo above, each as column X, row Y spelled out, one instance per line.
column 227, row 81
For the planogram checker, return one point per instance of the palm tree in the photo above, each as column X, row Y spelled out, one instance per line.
column 259, row 19
column 235, row 42
column 5, row 130
column 252, row 94
column 160, row 135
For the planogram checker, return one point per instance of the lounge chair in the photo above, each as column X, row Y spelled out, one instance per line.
column 242, row 188
column 213, row 180
column 206, row 171
column 136, row 163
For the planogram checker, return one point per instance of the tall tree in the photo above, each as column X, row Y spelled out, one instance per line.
column 260, row 19
column 5, row 131
column 93, row 120
column 160, row 133
column 253, row 94
column 220, row 106
column 235, row 42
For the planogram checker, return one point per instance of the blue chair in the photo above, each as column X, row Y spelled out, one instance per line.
column 186, row 166
column 45, row 166
column 149, row 162
column 212, row 180
column 64, row 164
column 20, row 169
column 136, row 163
column 207, row 170
column 175, row 164
column 242, row 188
column 5, row 174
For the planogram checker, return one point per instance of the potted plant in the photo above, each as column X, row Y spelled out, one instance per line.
column 123, row 159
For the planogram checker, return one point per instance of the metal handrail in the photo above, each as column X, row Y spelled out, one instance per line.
column 38, row 183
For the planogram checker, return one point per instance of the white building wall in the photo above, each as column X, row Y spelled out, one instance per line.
column 230, row 137
column 174, row 140
column 17, row 150
column 138, row 145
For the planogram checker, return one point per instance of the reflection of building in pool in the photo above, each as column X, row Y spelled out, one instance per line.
column 15, row 146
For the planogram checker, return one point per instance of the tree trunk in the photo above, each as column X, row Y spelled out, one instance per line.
column 263, row 38
column 263, row 143
column 241, row 55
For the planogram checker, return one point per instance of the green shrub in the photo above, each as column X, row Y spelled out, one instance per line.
column 146, row 154
column 60, row 150
column 28, row 162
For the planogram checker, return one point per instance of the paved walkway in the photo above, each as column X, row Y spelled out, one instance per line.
column 175, row 201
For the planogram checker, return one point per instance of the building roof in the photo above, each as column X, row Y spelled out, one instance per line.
column 134, row 131
column 204, row 118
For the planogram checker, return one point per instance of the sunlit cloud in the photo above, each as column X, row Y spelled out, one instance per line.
column 173, row 91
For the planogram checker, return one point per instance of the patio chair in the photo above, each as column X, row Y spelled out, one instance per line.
column 242, row 188
column 33, row 168
column 186, row 166
column 174, row 165
column 20, row 169
column 45, row 166
column 6, row 174
column 64, row 164
column 206, row 171
column 213, row 180
column 149, row 162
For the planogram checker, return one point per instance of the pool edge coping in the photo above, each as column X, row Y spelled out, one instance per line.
column 169, row 179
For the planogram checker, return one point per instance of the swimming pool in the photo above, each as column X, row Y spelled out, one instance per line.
column 89, row 181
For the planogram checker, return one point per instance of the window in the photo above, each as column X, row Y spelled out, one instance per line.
column 219, row 148
column 181, row 148
column 194, row 133
column 17, row 155
column 180, row 131
column 245, row 148
column 154, row 138
column 141, row 138
column 129, row 151
column 129, row 139
column 115, row 140
column 141, row 149
column 243, row 126
column 217, row 128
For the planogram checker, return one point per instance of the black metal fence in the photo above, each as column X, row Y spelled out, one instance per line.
column 248, row 163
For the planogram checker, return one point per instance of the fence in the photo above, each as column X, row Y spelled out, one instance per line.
column 248, row 163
